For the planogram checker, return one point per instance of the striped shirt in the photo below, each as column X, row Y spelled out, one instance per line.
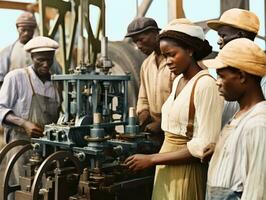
column 239, row 159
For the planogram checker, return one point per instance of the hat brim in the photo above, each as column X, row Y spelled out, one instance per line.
column 216, row 24
column 142, row 30
column 214, row 63
column 41, row 49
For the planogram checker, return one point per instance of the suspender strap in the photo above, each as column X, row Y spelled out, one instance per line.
column 192, row 109
column 28, row 73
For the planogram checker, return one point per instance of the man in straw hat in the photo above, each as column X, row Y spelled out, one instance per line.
column 14, row 56
column 156, row 79
column 28, row 98
column 237, row 168
column 236, row 23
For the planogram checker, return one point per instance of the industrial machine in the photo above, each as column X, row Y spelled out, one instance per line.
column 82, row 155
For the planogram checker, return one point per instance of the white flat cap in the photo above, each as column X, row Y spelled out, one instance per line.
column 41, row 43
column 183, row 25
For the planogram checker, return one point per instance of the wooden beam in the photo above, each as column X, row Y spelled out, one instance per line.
column 31, row 7
column 175, row 9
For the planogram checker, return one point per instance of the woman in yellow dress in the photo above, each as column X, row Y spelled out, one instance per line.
column 191, row 117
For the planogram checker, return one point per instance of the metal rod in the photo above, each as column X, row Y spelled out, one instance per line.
column 143, row 8
column 81, row 33
column 103, row 18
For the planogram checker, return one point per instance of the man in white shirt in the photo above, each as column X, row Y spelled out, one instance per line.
column 14, row 56
column 28, row 98
column 237, row 168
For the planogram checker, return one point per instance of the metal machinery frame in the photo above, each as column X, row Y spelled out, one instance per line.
column 81, row 157
column 80, row 12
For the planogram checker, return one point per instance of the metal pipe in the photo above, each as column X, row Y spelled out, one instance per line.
column 81, row 33
column 103, row 18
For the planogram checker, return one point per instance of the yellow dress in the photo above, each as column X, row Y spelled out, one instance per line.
column 188, row 181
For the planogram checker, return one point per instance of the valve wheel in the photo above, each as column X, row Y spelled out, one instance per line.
column 57, row 157
column 7, row 189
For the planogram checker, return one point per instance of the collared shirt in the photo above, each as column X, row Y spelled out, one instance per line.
column 16, row 92
column 155, row 87
column 238, row 162
column 208, row 105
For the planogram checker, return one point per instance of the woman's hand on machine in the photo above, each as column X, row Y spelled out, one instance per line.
column 139, row 162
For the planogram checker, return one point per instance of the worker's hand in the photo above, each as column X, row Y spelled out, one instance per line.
column 144, row 118
column 139, row 162
column 207, row 152
column 32, row 129
column 154, row 128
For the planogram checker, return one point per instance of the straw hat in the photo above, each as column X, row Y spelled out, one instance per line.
column 237, row 18
column 242, row 54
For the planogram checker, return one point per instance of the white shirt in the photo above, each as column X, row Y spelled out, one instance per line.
column 16, row 92
column 208, row 115
column 239, row 159
column 19, row 57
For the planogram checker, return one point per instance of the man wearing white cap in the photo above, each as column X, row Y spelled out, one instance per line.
column 237, row 168
column 236, row 23
column 14, row 56
column 28, row 98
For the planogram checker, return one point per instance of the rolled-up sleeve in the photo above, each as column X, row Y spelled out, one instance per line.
column 208, row 116
column 8, row 95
